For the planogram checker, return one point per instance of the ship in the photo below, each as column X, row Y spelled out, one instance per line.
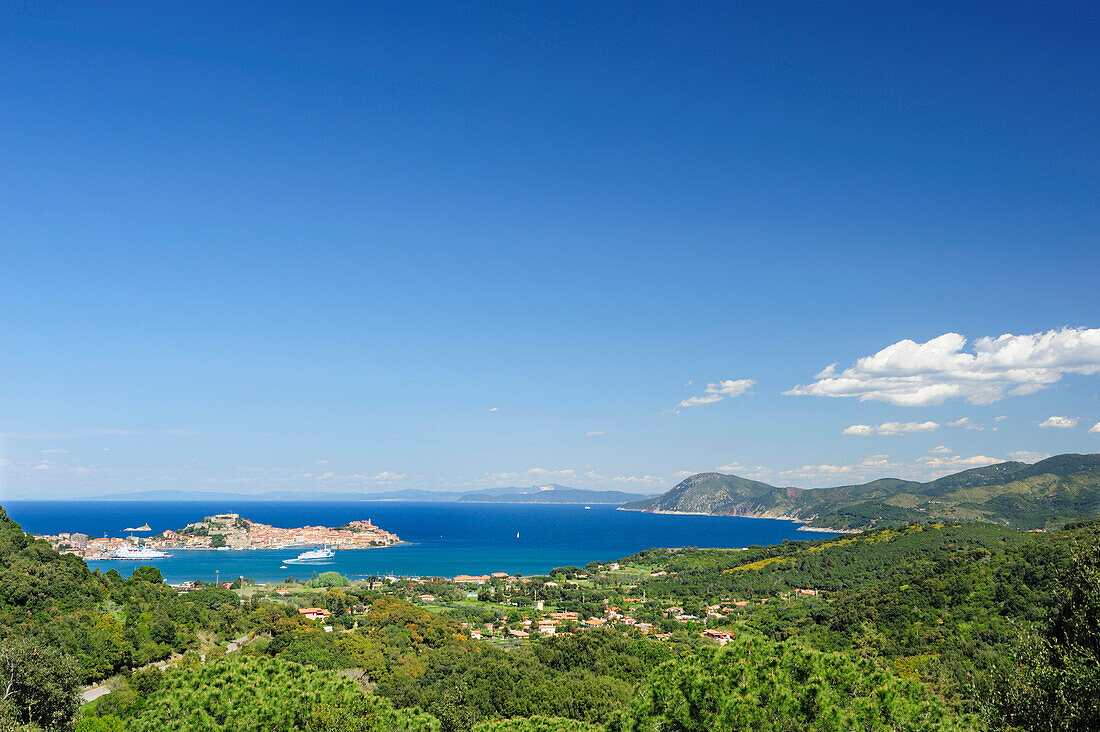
column 322, row 553
column 137, row 552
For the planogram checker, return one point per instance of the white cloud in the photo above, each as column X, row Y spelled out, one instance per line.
column 569, row 476
column 698, row 401
column 1000, row 419
column 1027, row 456
column 494, row 409
column 595, row 433
column 732, row 388
column 54, row 451
column 814, row 472
column 966, row 423
column 914, row 374
column 953, row 463
column 716, row 392
column 532, row 474
column 940, row 462
column 891, row 428
column 321, row 462
column 1059, row 423
column 387, row 477
column 595, row 477
column 1095, row 428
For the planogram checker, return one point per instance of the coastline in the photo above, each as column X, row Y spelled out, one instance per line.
column 804, row 526
column 436, row 540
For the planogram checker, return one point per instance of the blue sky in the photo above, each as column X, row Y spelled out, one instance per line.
column 355, row 249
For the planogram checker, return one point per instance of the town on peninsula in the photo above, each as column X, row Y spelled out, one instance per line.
column 228, row 531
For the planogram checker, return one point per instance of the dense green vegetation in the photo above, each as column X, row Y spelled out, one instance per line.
column 104, row 622
column 261, row 695
column 939, row 603
column 1045, row 495
column 588, row 677
column 931, row 626
column 760, row 685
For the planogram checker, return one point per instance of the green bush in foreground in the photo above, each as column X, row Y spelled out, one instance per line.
column 1053, row 683
column 756, row 684
column 262, row 694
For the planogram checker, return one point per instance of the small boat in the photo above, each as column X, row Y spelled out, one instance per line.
column 517, row 534
column 282, row 566
column 587, row 508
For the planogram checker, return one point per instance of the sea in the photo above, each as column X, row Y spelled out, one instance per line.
column 440, row 539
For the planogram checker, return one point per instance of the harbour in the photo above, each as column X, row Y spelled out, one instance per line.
column 437, row 538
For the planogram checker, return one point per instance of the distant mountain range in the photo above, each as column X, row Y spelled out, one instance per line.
column 535, row 494
column 549, row 494
column 1044, row 495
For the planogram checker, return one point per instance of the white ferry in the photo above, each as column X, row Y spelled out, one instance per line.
column 137, row 552
column 312, row 554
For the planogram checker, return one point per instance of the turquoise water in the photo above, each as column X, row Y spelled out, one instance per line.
column 442, row 539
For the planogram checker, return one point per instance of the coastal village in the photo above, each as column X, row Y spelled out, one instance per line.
column 228, row 531
column 512, row 609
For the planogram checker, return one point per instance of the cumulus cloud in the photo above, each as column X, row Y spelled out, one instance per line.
column 1059, row 423
column 891, row 428
column 941, row 450
column 716, row 392
column 1095, row 428
column 914, row 374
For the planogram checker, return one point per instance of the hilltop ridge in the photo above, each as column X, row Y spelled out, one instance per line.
column 1043, row 495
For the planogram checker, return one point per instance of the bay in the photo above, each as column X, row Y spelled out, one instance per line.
column 441, row 539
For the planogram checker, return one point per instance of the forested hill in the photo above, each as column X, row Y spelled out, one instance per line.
column 1044, row 495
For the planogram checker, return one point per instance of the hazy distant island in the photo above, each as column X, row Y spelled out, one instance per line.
column 1045, row 495
column 552, row 493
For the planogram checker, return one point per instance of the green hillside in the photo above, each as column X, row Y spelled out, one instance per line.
column 1045, row 495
